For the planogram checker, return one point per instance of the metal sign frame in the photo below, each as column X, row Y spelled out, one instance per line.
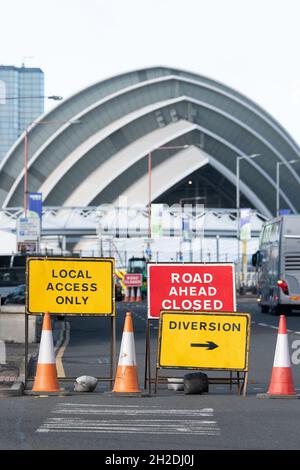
column 147, row 376
column 112, row 317
column 240, row 381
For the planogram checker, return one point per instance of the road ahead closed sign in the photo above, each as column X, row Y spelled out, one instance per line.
column 204, row 340
column 191, row 286
column 70, row 285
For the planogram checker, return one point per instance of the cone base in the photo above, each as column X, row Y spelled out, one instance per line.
column 59, row 393
column 126, row 380
column 267, row 395
column 46, row 379
column 281, row 382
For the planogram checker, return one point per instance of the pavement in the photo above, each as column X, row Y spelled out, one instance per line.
column 12, row 369
column 218, row 420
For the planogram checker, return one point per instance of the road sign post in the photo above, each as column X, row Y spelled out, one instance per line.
column 71, row 286
column 206, row 341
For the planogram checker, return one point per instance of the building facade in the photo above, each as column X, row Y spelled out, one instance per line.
column 21, row 102
column 96, row 150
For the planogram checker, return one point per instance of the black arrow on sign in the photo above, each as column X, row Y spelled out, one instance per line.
column 208, row 345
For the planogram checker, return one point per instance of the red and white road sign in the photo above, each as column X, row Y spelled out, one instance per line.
column 132, row 280
column 198, row 287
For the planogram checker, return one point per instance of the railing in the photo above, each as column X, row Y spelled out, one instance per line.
column 120, row 222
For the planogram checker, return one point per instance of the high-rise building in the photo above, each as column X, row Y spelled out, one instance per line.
column 21, row 102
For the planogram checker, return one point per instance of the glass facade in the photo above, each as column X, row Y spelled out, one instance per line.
column 25, row 86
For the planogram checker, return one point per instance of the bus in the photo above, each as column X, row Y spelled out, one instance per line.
column 277, row 265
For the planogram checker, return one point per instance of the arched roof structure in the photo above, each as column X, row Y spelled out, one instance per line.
column 93, row 147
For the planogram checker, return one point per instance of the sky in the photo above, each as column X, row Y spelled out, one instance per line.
column 249, row 45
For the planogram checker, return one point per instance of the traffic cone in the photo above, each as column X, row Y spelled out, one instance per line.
column 138, row 295
column 126, row 299
column 282, row 379
column 46, row 374
column 132, row 296
column 126, row 380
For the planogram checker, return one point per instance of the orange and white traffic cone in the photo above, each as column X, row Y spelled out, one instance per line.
column 132, row 295
column 126, row 380
column 282, row 378
column 138, row 295
column 126, row 299
column 46, row 374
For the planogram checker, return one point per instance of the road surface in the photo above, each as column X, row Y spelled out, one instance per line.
column 170, row 420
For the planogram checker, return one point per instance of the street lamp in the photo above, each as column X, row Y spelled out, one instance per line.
column 238, row 210
column 277, row 182
column 52, row 97
column 19, row 98
column 43, row 122
column 164, row 147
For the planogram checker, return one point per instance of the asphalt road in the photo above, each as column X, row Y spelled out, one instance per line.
column 170, row 420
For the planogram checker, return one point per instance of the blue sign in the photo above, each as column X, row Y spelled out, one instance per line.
column 285, row 211
column 35, row 203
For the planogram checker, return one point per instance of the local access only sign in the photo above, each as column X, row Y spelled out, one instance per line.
column 204, row 340
column 70, row 286
column 191, row 286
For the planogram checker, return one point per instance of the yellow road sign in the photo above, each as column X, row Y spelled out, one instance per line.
column 203, row 340
column 70, row 285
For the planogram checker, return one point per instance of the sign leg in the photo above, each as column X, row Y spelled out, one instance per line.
column 26, row 348
column 156, row 379
column 112, row 350
column 149, row 358
column 245, row 384
column 146, row 355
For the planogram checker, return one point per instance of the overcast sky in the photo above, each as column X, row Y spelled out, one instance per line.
column 250, row 45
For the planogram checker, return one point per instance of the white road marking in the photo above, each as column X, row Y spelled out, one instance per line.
column 160, row 421
column 275, row 327
column 61, row 351
column 2, row 352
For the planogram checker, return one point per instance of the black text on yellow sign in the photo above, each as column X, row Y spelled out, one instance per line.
column 202, row 340
column 70, row 285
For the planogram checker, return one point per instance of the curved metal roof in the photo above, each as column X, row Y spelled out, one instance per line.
column 125, row 117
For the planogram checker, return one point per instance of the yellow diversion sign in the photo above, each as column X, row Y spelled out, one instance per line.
column 204, row 340
column 70, row 285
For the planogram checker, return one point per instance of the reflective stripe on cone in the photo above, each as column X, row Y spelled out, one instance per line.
column 282, row 379
column 46, row 374
column 126, row 380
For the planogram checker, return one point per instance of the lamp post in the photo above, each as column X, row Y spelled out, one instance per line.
column 238, row 210
column 19, row 98
column 277, row 183
column 26, row 135
column 164, row 147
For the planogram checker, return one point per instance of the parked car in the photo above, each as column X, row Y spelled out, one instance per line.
column 16, row 296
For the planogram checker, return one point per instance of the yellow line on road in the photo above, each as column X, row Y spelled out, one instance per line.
column 61, row 351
